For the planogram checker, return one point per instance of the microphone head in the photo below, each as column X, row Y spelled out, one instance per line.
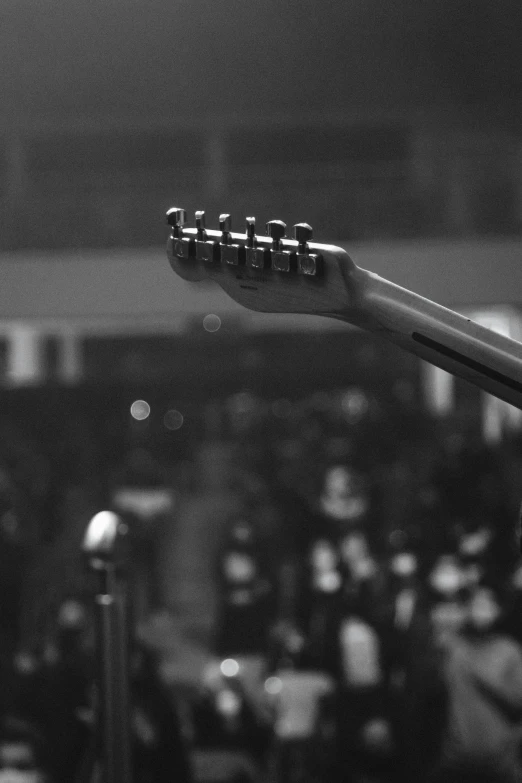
column 102, row 536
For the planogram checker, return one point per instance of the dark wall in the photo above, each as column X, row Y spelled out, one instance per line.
column 184, row 56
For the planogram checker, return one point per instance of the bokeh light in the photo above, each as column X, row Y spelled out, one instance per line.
column 140, row 410
column 354, row 404
column 228, row 703
column 211, row 322
column 173, row 420
column 273, row 685
column 229, row 667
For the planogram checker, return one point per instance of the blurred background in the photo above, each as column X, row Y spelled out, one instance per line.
column 290, row 484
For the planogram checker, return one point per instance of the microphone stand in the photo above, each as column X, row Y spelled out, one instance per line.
column 113, row 754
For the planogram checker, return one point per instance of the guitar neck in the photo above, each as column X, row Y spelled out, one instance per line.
column 436, row 334
column 272, row 274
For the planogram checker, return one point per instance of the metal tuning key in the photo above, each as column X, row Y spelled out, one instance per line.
column 206, row 249
column 183, row 247
column 225, row 226
column 281, row 259
column 176, row 218
column 200, row 226
column 257, row 257
column 230, row 253
column 307, row 263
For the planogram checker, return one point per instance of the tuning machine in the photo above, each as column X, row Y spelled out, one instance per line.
column 206, row 249
column 282, row 260
column 256, row 257
column 230, row 253
column 183, row 247
column 309, row 264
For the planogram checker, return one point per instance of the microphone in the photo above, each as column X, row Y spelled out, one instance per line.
column 519, row 529
column 104, row 533
column 101, row 535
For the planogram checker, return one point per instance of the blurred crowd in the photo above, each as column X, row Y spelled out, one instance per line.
column 330, row 590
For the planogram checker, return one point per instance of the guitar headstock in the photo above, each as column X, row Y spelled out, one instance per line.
column 268, row 273
column 273, row 274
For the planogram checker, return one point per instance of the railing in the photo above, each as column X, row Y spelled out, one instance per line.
column 343, row 200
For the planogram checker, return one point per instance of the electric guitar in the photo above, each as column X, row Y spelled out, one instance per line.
column 273, row 274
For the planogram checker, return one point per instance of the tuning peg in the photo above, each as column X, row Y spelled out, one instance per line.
column 250, row 231
column 206, row 250
column 231, row 253
column 200, row 224
column 307, row 263
column 225, row 225
column 182, row 247
column 176, row 218
column 282, row 260
column 303, row 233
column 277, row 230
column 256, row 257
